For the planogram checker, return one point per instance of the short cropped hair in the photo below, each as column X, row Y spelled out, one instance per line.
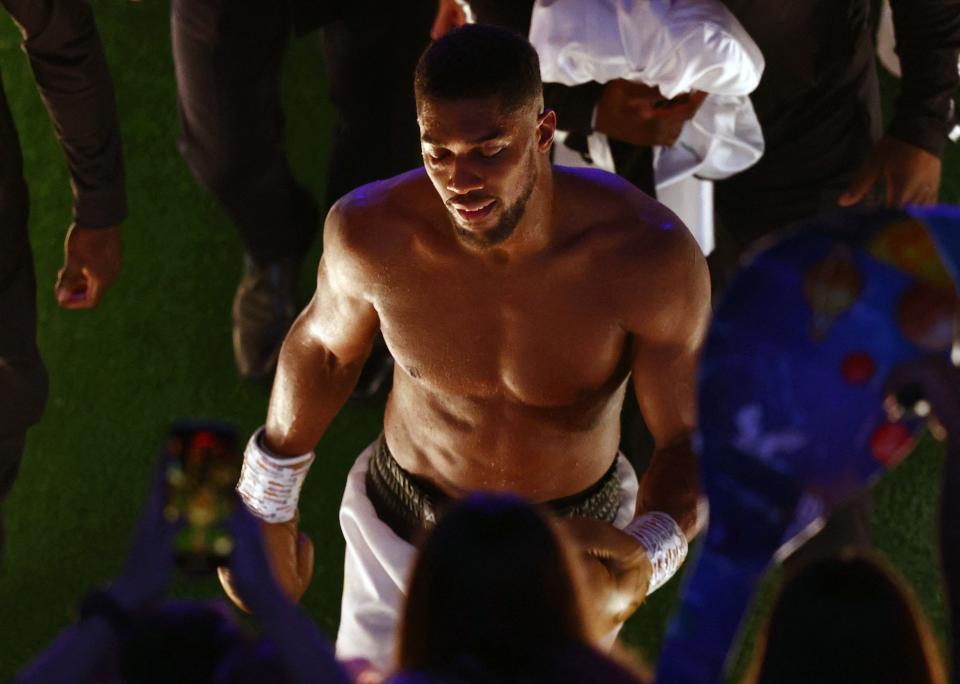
column 479, row 61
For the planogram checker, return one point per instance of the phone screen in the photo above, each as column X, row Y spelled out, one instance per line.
column 203, row 466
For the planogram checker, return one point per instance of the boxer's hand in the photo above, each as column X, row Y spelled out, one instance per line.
column 911, row 174
column 91, row 262
column 289, row 557
column 638, row 114
column 450, row 15
column 615, row 567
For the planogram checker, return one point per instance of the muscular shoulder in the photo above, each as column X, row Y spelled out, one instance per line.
column 604, row 201
column 633, row 227
column 653, row 262
column 368, row 227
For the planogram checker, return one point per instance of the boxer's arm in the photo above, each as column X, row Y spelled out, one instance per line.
column 319, row 364
column 323, row 353
column 668, row 326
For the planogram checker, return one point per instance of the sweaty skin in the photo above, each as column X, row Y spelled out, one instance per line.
column 516, row 298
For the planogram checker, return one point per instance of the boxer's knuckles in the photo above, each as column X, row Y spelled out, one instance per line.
column 290, row 555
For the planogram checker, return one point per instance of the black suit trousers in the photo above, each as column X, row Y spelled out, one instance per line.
column 23, row 379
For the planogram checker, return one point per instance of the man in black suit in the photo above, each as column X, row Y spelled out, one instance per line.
column 819, row 107
column 228, row 57
column 61, row 42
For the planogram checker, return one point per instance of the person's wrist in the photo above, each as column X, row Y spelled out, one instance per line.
column 269, row 483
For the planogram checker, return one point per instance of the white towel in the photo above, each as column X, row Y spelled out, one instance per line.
column 676, row 45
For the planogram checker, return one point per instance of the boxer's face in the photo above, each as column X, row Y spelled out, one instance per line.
column 483, row 161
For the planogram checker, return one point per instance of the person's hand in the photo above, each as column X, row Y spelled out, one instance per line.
column 277, row 554
column 146, row 573
column 911, row 175
column 638, row 114
column 936, row 382
column 450, row 15
column 91, row 262
column 615, row 567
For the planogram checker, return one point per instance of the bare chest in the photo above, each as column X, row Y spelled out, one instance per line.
column 544, row 338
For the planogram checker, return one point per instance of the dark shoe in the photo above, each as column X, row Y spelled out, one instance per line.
column 376, row 374
column 263, row 310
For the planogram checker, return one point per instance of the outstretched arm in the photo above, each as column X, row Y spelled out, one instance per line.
column 324, row 351
column 319, row 364
column 667, row 301
column 668, row 328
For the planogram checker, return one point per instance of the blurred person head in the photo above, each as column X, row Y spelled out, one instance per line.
column 195, row 642
column 846, row 618
column 484, row 133
column 495, row 595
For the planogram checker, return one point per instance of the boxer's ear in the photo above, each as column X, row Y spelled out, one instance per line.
column 546, row 128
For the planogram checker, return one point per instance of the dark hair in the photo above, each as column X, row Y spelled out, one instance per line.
column 844, row 619
column 494, row 597
column 479, row 61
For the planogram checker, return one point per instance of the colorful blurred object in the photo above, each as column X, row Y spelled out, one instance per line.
column 791, row 389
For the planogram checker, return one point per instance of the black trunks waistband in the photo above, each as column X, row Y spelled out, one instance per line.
column 409, row 505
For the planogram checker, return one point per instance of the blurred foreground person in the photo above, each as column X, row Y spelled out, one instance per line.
column 850, row 617
column 517, row 299
column 496, row 596
column 62, row 44
column 129, row 632
column 843, row 619
column 793, row 385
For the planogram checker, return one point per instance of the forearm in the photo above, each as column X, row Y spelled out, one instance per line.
column 311, row 386
column 671, row 485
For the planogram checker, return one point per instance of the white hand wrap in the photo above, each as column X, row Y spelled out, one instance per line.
column 270, row 485
column 664, row 542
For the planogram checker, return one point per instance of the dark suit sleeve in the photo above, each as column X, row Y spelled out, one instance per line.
column 928, row 39
column 65, row 53
column 574, row 105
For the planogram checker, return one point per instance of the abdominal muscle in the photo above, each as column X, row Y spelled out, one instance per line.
column 499, row 443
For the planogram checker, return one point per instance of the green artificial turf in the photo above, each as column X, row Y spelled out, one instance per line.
column 158, row 348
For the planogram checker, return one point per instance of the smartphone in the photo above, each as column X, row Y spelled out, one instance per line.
column 203, row 466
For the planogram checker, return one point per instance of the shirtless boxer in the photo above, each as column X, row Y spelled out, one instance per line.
column 517, row 298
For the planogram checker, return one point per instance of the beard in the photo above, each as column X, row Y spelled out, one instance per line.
column 509, row 219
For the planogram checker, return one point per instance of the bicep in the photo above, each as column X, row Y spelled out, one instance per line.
column 339, row 317
column 667, row 331
column 664, row 379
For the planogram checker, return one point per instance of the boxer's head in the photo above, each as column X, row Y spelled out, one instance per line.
column 483, row 130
